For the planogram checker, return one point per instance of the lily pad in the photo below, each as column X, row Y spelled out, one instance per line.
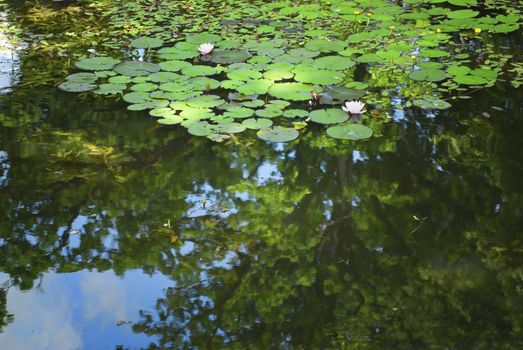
column 292, row 91
column 147, row 43
column 328, row 116
column 136, row 68
column 260, row 123
column 228, row 57
column 350, row 132
column 96, row 63
column 73, row 86
column 278, row 134
column 319, row 76
column 431, row 103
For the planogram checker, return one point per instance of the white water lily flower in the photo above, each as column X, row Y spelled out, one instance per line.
column 206, row 49
column 354, row 107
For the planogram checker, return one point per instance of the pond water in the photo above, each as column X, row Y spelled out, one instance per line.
column 120, row 233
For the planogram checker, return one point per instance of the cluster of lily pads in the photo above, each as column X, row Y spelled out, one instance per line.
column 306, row 84
column 259, row 64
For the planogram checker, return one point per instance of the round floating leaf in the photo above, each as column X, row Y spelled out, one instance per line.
column 292, row 91
column 89, row 78
column 278, row 74
column 137, row 97
column 110, row 89
column 136, row 68
column 204, row 83
column 337, row 94
column 201, row 129
column 254, row 87
column 230, row 128
column 196, row 113
column 428, row 75
column 171, row 120
column 194, row 71
column 324, row 45
column 244, row 74
column 163, row 77
column 350, row 132
column 221, row 119
column 205, row 101
column 460, row 14
column 470, row 80
column 147, row 43
column 177, row 86
column 259, row 123
column 278, row 134
column 202, row 38
column 174, row 65
column 239, row 112
column 96, row 63
column 328, row 116
column 228, row 57
column 322, row 77
column 173, row 53
column 164, row 112
column 334, row 63
column 148, row 105
column 73, row 86
column 295, row 113
column 120, row 79
column 253, row 103
column 431, row 103
column 145, row 87
column 269, row 112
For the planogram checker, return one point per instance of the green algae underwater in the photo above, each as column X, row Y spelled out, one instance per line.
column 229, row 201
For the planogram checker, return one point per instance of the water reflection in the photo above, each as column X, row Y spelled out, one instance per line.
column 409, row 240
column 85, row 310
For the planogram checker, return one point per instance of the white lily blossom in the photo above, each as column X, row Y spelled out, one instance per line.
column 354, row 107
column 206, row 49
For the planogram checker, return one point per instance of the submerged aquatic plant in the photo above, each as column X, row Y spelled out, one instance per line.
column 206, row 48
column 354, row 107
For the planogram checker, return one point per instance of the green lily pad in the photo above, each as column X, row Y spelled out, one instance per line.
column 334, row 63
column 228, row 57
column 147, row 43
column 136, row 68
column 96, row 63
column 269, row 112
column 244, row 74
column 278, row 134
column 428, row 75
column 73, row 86
column 431, row 103
column 88, row 78
column 292, row 91
column 201, row 129
column 110, row 89
column 260, row 123
column 195, row 71
column 350, row 132
column 119, row 79
column 239, row 112
column 254, row 87
column 145, row 87
column 205, row 101
column 174, row 65
column 230, row 128
column 319, row 76
column 470, row 80
column 328, row 116
column 324, row 45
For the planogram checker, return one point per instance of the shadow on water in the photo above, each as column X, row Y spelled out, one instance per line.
column 410, row 240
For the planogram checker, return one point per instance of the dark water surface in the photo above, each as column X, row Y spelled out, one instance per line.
column 116, row 232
